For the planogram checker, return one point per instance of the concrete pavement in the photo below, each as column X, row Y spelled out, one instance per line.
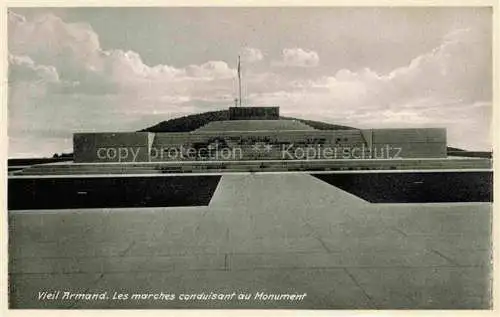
column 271, row 233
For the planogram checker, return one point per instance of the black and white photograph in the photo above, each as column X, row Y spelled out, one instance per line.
column 250, row 157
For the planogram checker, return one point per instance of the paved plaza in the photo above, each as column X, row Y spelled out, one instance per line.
column 261, row 233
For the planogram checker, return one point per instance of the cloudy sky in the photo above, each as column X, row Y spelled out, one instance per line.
column 123, row 69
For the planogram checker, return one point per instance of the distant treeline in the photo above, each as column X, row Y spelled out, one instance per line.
column 195, row 121
column 452, row 151
column 64, row 157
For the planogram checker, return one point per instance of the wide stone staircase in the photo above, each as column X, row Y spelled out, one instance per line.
column 255, row 166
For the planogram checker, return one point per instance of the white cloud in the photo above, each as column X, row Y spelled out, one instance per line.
column 48, row 40
column 23, row 68
column 211, row 70
column 61, row 80
column 438, row 88
column 251, row 55
column 74, row 50
column 298, row 57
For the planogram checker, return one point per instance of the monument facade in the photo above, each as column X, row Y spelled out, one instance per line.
column 258, row 133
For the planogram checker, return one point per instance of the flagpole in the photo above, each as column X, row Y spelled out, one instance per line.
column 239, row 79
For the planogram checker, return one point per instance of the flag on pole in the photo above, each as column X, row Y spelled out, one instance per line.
column 239, row 80
column 239, row 68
